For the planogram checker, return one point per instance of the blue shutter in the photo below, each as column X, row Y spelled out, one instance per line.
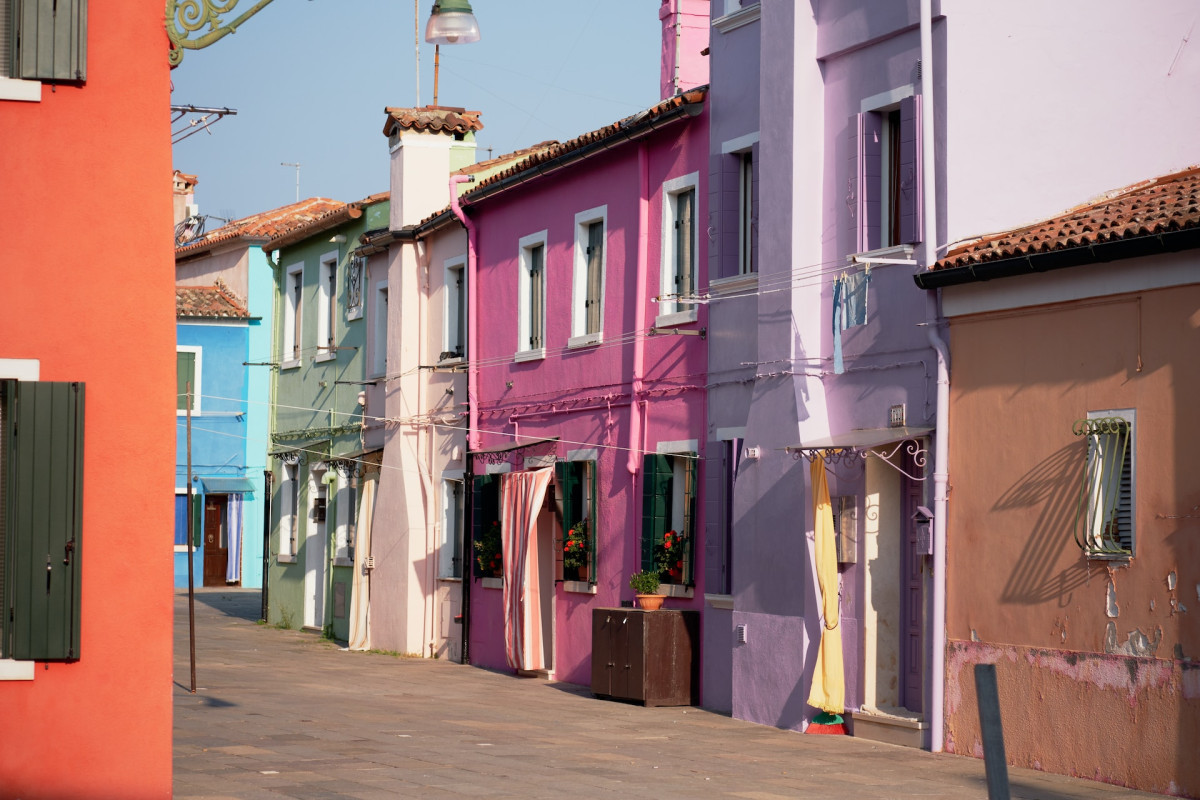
column 910, row 170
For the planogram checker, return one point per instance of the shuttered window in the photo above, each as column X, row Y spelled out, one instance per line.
column 185, row 380
column 884, row 185
column 576, row 553
column 44, row 40
column 41, row 457
column 669, row 516
column 1104, row 520
column 595, row 265
column 685, row 235
column 485, row 527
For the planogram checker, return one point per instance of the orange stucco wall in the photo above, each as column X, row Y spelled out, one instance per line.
column 86, row 287
column 1093, row 657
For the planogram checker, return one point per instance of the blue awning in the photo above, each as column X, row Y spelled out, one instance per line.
column 227, row 485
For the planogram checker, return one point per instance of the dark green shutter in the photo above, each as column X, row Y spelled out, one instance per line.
column 657, row 475
column 43, row 449
column 689, row 521
column 590, row 467
column 185, row 374
column 51, row 40
column 198, row 519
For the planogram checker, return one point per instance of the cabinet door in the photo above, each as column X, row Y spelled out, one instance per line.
column 602, row 651
column 631, row 657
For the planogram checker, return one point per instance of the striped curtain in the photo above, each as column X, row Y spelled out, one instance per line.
column 521, row 497
column 360, row 594
column 233, row 568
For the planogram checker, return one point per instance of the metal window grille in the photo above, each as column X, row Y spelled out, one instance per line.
column 1104, row 515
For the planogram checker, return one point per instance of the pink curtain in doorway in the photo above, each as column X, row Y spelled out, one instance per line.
column 521, row 497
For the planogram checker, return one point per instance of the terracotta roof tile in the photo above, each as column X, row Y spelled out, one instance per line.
column 209, row 302
column 259, row 228
column 432, row 119
column 325, row 221
column 1160, row 205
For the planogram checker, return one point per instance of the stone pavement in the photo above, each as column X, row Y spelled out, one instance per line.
column 281, row 714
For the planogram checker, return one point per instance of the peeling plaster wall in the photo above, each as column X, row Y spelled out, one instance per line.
column 1099, row 658
column 1117, row 719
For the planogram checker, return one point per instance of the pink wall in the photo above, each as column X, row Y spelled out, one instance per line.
column 545, row 395
column 97, row 306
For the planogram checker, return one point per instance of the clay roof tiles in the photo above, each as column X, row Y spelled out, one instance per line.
column 432, row 119
column 1160, row 205
column 263, row 226
column 209, row 302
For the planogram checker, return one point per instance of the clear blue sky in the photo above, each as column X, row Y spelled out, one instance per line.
column 310, row 79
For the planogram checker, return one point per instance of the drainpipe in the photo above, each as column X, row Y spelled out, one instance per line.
column 941, row 435
column 472, row 316
column 639, row 324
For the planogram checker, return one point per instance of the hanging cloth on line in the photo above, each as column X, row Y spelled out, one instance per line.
column 849, row 309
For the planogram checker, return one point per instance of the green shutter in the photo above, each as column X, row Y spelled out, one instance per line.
column 43, row 449
column 51, row 40
column 689, row 522
column 185, row 375
column 590, row 467
column 197, row 519
column 656, row 503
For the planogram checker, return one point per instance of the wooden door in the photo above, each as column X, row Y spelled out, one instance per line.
column 216, row 553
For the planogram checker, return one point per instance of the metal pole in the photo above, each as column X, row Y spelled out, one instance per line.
column 437, row 59
column 995, row 764
column 190, row 544
column 268, row 479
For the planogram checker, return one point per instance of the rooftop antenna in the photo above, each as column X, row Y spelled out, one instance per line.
column 295, row 164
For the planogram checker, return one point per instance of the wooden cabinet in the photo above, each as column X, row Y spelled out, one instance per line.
column 650, row 657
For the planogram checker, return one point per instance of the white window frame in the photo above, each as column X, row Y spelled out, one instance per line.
column 454, row 272
column 345, row 518
column 293, row 317
column 379, row 329
column 327, row 307
column 580, row 336
column 451, row 521
column 1094, row 522
column 672, row 311
column 736, row 13
column 197, row 395
column 289, row 517
column 883, row 104
column 526, row 245
column 680, row 450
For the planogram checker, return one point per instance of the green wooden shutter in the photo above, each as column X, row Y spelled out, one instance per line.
column 595, row 257
column 689, row 521
column 185, row 374
column 657, row 475
column 51, row 40
column 43, row 449
column 590, row 467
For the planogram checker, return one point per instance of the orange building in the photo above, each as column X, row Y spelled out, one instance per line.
column 86, row 319
column 1073, row 548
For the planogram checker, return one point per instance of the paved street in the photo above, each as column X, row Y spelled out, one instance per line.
column 282, row 714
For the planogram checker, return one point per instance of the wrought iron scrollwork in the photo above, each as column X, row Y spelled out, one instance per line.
column 853, row 455
column 187, row 17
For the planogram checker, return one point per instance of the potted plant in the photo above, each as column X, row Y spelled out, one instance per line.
column 645, row 586
column 576, row 552
column 488, row 551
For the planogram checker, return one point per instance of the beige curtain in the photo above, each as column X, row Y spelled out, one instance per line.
column 521, row 497
column 828, row 691
column 360, row 593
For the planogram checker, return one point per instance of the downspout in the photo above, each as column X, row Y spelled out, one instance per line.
column 639, row 325
column 942, row 446
column 428, row 621
column 472, row 316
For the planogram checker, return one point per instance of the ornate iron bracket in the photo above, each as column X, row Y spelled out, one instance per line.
column 505, row 455
column 853, row 455
column 186, row 17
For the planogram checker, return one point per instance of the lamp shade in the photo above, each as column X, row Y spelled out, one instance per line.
column 451, row 22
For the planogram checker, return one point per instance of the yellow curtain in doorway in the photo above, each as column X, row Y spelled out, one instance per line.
column 828, row 691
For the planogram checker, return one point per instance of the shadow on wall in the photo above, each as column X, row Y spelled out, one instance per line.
column 1051, row 491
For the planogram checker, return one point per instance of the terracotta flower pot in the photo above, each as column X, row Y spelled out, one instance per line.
column 650, row 602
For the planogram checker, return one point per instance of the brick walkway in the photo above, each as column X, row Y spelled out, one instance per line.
column 286, row 714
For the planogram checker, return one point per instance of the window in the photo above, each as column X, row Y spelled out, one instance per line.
column 43, row 40
column 531, row 299
column 450, row 547
column 293, row 287
column 41, row 513
column 679, row 248
column 669, row 516
column 187, row 371
column 1106, row 498
column 747, row 213
column 343, row 532
column 587, row 295
column 577, row 495
column 289, row 502
column 719, row 560
column 456, row 310
column 356, row 274
column 884, row 191
column 327, row 307
column 181, row 518
column 485, row 527
column 379, row 329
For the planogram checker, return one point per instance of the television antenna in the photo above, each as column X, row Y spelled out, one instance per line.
column 295, row 164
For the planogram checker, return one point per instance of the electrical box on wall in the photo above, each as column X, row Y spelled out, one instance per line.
column 845, row 527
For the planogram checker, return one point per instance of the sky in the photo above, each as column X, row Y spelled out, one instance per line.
column 310, row 79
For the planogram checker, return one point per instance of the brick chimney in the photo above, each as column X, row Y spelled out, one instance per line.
column 426, row 145
column 183, row 195
column 684, row 36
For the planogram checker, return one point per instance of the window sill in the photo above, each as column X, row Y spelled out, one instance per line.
column 724, row 601
column 743, row 16
column 579, row 587
column 284, row 559
column 587, row 340
column 897, row 252
column 451, row 362
column 342, row 561
column 290, row 364
column 676, row 590
column 181, row 548
column 354, row 312
column 326, row 356
column 449, row 579
column 493, row 583
column 677, row 318
column 11, row 670
column 734, row 284
column 22, row 91
column 530, row 355
column 1097, row 556
column 179, row 412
